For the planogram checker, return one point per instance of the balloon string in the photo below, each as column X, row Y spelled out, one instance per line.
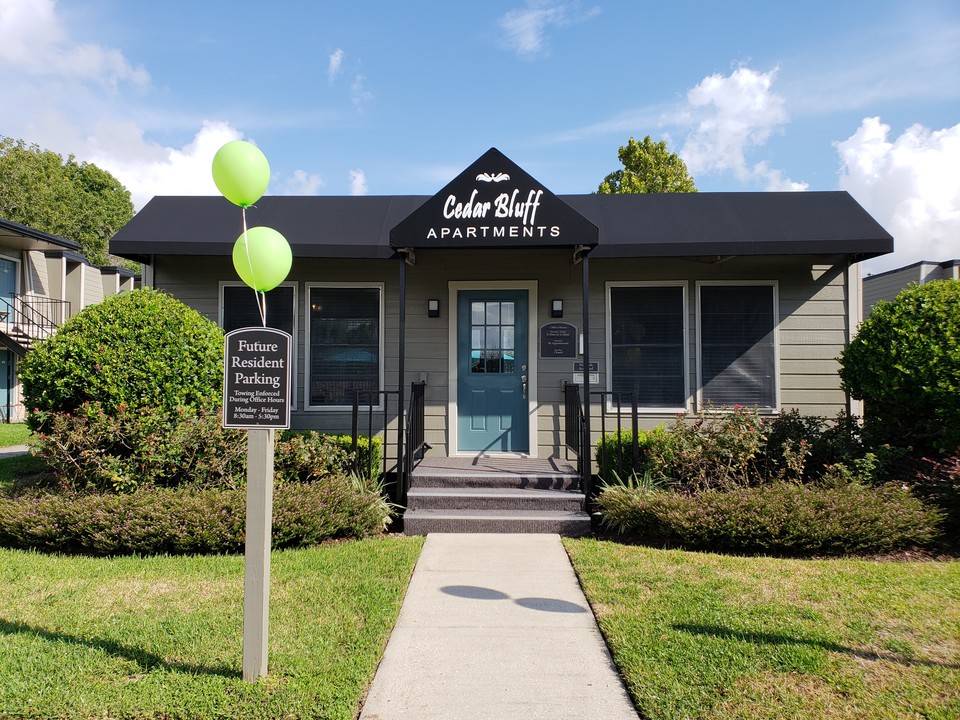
column 261, row 298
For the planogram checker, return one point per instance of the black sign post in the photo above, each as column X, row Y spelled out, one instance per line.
column 256, row 396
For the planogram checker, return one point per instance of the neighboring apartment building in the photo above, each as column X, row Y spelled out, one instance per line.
column 44, row 280
column 886, row 285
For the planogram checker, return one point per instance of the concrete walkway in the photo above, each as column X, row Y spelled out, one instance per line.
column 496, row 626
column 13, row 451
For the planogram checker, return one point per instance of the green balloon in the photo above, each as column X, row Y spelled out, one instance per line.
column 262, row 258
column 241, row 172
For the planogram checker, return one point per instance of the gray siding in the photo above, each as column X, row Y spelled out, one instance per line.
column 812, row 329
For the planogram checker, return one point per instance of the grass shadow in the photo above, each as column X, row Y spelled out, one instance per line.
column 147, row 661
column 719, row 631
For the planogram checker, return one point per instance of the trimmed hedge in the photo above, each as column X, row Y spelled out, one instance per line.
column 781, row 518
column 188, row 520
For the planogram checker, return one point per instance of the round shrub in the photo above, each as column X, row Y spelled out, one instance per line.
column 905, row 365
column 134, row 350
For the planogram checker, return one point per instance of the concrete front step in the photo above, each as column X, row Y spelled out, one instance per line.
column 421, row 522
column 461, row 478
column 493, row 498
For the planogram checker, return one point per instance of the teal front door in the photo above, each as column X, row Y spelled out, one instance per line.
column 492, row 371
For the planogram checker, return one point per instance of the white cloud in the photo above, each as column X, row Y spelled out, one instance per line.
column 359, row 95
column 910, row 185
column 147, row 169
column 335, row 64
column 731, row 115
column 526, row 27
column 35, row 42
column 358, row 182
column 302, row 183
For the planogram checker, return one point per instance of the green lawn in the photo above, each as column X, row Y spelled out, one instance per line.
column 13, row 434
column 161, row 637
column 709, row 636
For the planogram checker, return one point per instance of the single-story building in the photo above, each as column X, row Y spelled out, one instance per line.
column 495, row 296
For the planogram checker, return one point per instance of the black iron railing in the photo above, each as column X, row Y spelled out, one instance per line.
column 614, row 418
column 372, row 413
column 415, row 447
column 35, row 317
column 621, row 410
column 575, row 434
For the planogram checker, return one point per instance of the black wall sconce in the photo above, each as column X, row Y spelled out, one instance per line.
column 556, row 309
column 433, row 307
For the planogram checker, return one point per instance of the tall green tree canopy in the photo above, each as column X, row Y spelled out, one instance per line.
column 648, row 167
column 63, row 197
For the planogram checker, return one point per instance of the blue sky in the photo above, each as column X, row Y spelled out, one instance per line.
column 397, row 98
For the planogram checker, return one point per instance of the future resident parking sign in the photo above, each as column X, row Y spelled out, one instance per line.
column 256, row 379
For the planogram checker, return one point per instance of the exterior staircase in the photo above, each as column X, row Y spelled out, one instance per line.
column 495, row 495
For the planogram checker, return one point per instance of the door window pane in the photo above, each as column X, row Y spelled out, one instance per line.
column 492, row 334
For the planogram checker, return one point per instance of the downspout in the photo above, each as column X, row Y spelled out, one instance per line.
column 854, row 318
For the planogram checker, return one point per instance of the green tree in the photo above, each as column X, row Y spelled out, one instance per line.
column 648, row 167
column 63, row 197
column 905, row 365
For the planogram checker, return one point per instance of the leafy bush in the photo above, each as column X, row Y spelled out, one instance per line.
column 93, row 449
column 138, row 349
column 188, row 520
column 716, row 451
column 904, row 364
column 614, row 453
column 300, row 454
column 781, row 518
column 799, row 447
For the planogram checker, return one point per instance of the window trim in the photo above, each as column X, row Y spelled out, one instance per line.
column 294, row 374
column 608, row 342
column 359, row 285
column 775, row 285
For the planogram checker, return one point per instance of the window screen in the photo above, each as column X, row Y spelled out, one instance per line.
column 344, row 345
column 240, row 308
column 646, row 334
column 737, row 351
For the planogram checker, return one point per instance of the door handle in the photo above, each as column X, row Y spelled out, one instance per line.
column 523, row 381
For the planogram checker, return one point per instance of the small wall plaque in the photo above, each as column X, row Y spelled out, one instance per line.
column 558, row 340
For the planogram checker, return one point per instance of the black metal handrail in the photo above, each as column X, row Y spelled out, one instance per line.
column 618, row 397
column 34, row 316
column 575, row 430
column 415, row 446
column 575, row 433
column 375, row 403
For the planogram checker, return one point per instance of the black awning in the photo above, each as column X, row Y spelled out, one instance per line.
column 653, row 225
column 494, row 203
column 720, row 224
column 315, row 226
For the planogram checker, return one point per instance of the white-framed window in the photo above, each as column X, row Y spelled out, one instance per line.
column 238, row 307
column 344, row 344
column 737, row 349
column 647, row 344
